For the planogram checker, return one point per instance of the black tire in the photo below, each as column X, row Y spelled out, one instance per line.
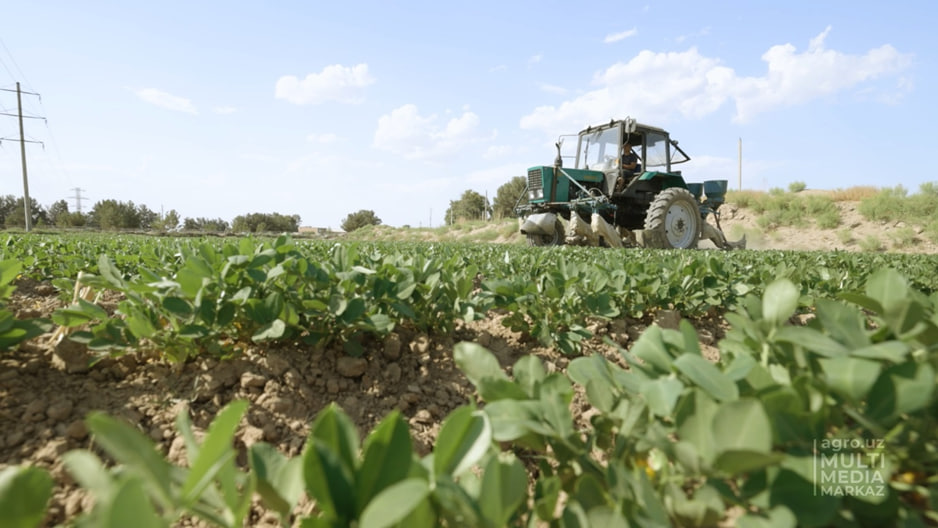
column 673, row 220
column 555, row 239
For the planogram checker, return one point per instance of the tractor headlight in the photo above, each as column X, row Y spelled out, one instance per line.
column 536, row 194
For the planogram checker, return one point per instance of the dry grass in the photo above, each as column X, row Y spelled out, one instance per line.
column 853, row 194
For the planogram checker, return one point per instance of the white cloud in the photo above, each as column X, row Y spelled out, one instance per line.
column 497, row 151
column 554, row 89
column 534, row 59
column 497, row 176
column 622, row 35
column 166, row 100
column 702, row 33
column 325, row 138
column 500, row 67
column 334, row 83
column 655, row 86
column 795, row 78
column 224, row 110
column 404, row 131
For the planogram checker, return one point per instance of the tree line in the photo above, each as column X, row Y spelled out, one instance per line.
column 468, row 207
column 118, row 215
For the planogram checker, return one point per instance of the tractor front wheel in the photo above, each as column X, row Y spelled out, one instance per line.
column 673, row 220
column 553, row 239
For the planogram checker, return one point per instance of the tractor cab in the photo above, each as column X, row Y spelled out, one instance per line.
column 602, row 148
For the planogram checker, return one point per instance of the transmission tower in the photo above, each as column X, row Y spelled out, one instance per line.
column 78, row 198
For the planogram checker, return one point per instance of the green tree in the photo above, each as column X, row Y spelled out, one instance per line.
column 204, row 224
column 112, row 214
column 507, row 196
column 58, row 213
column 470, row 206
column 148, row 219
column 266, row 223
column 16, row 217
column 7, row 203
column 168, row 222
column 358, row 219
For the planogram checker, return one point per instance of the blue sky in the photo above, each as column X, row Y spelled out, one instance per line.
column 217, row 109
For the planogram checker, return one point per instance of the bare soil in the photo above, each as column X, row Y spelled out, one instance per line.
column 47, row 388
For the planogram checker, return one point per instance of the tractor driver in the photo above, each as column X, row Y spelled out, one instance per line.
column 629, row 164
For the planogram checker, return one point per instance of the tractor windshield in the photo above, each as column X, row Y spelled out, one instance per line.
column 599, row 150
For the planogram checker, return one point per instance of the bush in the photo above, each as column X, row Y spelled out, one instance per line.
column 796, row 186
column 359, row 219
column 828, row 219
column 871, row 244
column 903, row 237
column 845, row 236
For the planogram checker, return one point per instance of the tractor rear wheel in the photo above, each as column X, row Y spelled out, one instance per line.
column 553, row 239
column 673, row 220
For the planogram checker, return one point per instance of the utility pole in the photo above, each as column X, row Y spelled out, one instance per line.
column 19, row 104
column 78, row 198
column 740, row 164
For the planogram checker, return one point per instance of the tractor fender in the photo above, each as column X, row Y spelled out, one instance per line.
column 539, row 224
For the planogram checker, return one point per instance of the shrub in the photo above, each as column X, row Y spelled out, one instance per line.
column 828, row 219
column 871, row 244
column 845, row 236
column 903, row 237
column 796, row 186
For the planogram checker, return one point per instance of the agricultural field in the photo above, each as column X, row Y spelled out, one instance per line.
column 274, row 381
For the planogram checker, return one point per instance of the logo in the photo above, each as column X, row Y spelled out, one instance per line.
column 850, row 466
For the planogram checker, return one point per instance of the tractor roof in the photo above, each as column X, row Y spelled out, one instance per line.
column 639, row 127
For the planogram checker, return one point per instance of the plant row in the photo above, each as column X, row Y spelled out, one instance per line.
column 185, row 297
column 828, row 424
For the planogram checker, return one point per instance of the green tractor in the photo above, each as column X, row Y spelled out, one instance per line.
column 622, row 192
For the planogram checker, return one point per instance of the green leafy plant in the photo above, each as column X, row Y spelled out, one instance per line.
column 14, row 331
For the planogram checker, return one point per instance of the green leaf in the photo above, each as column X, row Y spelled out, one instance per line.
column 131, row 448
column 216, row 451
column 650, row 348
column 742, row 461
column 513, row 419
column 465, row 436
column 529, row 372
column 477, row 363
column 483, row 370
column 844, row 323
column 850, row 377
column 707, row 376
column 129, row 507
column 272, row 330
column 661, row 395
column 24, row 492
column 395, row 503
column 89, row 472
column 504, row 487
column 778, row 517
column 330, row 462
column 903, row 388
column 812, row 340
column 694, row 419
column 9, row 269
column 888, row 288
column 779, row 301
column 279, row 479
column 386, row 458
column 742, row 425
